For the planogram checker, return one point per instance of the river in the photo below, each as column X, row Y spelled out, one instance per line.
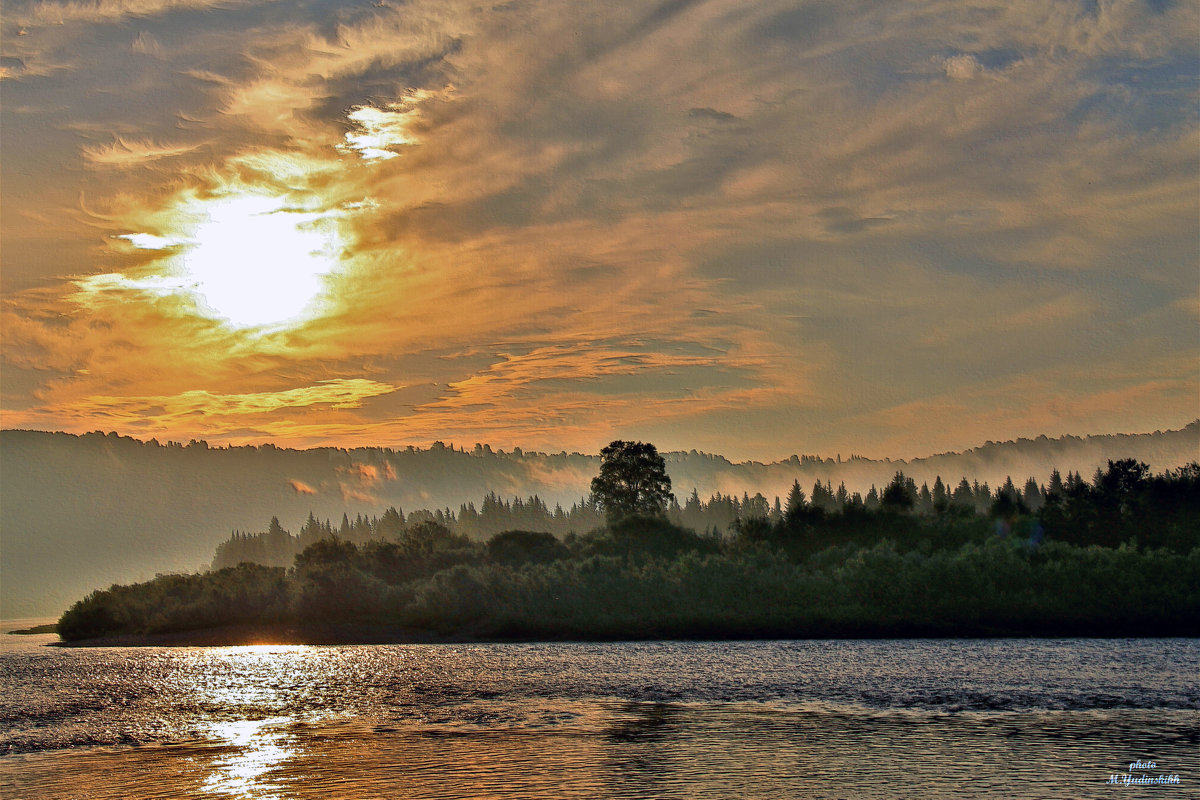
column 985, row 718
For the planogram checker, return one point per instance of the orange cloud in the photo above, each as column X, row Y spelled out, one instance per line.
column 132, row 152
column 555, row 243
column 350, row 493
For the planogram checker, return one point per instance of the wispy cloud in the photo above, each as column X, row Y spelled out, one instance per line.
column 127, row 153
column 26, row 14
column 337, row 394
column 735, row 225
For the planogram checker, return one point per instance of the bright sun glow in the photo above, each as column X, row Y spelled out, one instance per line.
column 254, row 262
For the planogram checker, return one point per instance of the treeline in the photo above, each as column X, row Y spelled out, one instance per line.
column 278, row 547
column 1122, row 502
column 649, row 579
column 1117, row 556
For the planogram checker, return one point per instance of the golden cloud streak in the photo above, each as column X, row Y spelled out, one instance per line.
column 543, row 235
column 110, row 10
column 132, row 152
column 340, row 393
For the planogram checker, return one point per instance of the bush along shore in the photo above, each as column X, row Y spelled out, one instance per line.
column 1117, row 557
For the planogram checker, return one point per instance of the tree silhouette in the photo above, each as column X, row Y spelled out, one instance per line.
column 941, row 497
column 1032, row 495
column 795, row 501
column 900, row 495
column 1120, row 485
column 633, row 480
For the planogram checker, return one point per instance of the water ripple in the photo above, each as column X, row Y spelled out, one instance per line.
column 869, row 719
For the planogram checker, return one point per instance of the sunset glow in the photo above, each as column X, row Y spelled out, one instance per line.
column 893, row 229
column 254, row 262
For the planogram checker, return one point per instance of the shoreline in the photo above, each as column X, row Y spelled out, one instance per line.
column 368, row 634
column 270, row 635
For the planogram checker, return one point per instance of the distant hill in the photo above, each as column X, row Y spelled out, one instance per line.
column 82, row 512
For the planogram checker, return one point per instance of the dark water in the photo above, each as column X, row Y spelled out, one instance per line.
column 813, row 719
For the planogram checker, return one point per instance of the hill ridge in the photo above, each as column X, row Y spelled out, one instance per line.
column 80, row 511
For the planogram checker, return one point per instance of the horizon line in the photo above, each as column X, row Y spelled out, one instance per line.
column 522, row 452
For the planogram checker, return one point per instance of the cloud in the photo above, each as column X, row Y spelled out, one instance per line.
column 963, row 67
column 148, row 241
column 100, row 11
column 278, row 410
column 300, row 487
column 339, row 393
column 1102, row 396
column 145, row 44
column 349, row 494
column 11, row 67
column 367, row 475
column 707, row 219
column 381, row 130
column 132, row 152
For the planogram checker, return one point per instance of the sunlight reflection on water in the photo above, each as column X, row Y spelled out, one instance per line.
column 259, row 746
column 623, row 720
column 248, row 681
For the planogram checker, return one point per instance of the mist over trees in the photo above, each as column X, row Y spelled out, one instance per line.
column 81, row 511
column 1122, row 503
column 1116, row 556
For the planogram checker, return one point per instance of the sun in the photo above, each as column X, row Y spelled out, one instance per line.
column 253, row 261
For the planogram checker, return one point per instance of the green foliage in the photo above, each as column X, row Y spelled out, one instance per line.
column 633, row 480
column 900, row 495
column 428, row 537
column 645, row 535
column 326, row 553
column 996, row 586
column 515, row 547
column 839, row 569
column 1124, row 503
column 235, row 595
column 999, row 587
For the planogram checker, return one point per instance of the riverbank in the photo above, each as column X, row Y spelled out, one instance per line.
column 243, row 635
column 372, row 634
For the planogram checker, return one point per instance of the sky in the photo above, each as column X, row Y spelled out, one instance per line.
column 756, row 229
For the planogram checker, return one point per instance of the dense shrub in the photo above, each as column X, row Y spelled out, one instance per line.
column 245, row 593
column 525, row 546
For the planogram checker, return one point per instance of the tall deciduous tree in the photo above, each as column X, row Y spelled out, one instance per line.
column 633, row 480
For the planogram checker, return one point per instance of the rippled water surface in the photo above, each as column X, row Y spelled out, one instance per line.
column 812, row 719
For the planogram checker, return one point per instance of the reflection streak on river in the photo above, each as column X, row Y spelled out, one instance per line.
column 985, row 718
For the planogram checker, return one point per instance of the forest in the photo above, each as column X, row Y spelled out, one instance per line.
column 81, row 511
column 1116, row 555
